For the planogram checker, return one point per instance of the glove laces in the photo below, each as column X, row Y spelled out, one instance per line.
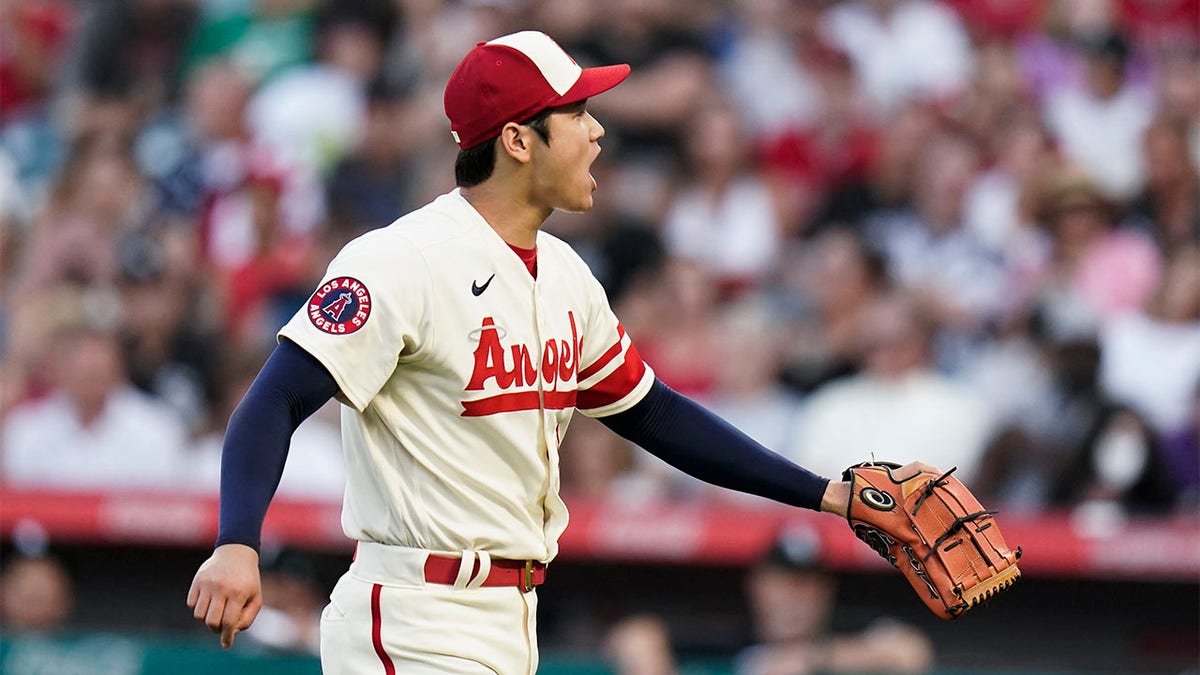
column 932, row 485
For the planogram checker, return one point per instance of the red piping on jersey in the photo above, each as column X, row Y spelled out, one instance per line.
column 376, row 632
column 519, row 400
column 605, row 358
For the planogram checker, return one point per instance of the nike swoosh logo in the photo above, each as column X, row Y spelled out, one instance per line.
column 478, row 290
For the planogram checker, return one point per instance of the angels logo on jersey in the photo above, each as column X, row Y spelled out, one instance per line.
column 513, row 369
column 340, row 306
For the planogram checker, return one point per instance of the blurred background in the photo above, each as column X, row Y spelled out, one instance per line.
column 965, row 231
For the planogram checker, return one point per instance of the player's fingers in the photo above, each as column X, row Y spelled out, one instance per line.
column 216, row 611
column 200, row 609
column 249, row 612
column 913, row 468
column 193, row 595
column 230, row 622
column 227, row 635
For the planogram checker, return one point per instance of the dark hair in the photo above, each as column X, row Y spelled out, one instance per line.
column 474, row 165
column 1106, row 45
column 374, row 16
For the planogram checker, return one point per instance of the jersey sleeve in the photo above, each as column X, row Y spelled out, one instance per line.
column 612, row 375
column 371, row 309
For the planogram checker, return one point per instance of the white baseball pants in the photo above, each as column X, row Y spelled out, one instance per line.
column 384, row 619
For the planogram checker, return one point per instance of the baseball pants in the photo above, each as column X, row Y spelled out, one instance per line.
column 384, row 619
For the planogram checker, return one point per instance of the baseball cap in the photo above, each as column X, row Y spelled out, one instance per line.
column 797, row 548
column 514, row 77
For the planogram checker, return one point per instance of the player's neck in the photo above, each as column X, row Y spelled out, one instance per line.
column 514, row 219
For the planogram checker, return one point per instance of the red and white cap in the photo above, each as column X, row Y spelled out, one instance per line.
column 514, row 77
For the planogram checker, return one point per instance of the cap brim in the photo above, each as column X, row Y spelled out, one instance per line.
column 594, row 81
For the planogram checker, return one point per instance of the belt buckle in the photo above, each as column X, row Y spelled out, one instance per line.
column 527, row 577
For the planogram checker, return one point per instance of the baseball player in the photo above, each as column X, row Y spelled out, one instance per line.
column 460, row 340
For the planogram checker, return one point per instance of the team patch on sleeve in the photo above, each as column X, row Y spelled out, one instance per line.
column 340, row 306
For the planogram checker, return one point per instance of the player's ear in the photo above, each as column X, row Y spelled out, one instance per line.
column 516, row 141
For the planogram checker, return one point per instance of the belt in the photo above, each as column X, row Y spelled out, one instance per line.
column 524, row 574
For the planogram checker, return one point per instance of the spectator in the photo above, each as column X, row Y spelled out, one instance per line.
column 134, row 46
column 1099, row 125
column 170, row 348
column 671, row 73
column 1097, row 271
column 630, row 253
column 1119, row 468
column 197, row 146
column 1168, row 207
column 36, row 594
column 682, row 325
column 599, row 465
column 960, row 284
column 215, row 122
column 836, row 147
column 376, row 181
column 791, row 598
column 1049, row 56
column 1150, row 359
column 270, row 270
column 763, row 69
column 836, row 279
column 1179, row 92
column 259, row 214
column 888, row 188
column 896, row 407
column 100, row 197
column 748, row 392
column 997, row 91
column 93, row 431
column 996, row 209
column 290, row 618
column 32, row 320
column 724, row 216
column 992, row 207
column 903, row 49
column 640, row 645
column 315, row 469
column 311, row 115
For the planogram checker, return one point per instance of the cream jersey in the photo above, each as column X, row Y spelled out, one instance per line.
column 460, row 373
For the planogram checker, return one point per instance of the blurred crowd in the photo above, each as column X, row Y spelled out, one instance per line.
column 794, row 629
column 966, row 232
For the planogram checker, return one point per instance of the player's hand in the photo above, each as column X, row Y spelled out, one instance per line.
column 913, row 468
column 836, row 499
column 226, row 592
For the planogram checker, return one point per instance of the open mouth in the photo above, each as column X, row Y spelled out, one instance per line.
column 594, row 158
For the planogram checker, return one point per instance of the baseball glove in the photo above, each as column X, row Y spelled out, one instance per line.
column 935, row 532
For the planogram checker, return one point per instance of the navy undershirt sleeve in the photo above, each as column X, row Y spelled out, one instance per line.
column 683, row 434
column 291, row 386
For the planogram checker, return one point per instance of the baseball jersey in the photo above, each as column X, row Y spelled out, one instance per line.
column 460, row 373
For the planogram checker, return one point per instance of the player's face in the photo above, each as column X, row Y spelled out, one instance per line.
column 562, row 176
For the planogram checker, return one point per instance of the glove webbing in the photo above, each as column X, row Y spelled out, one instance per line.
column 995, row 550
column 985, row 565
column 954, row 528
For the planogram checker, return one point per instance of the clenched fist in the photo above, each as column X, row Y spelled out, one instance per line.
column 226, row 592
